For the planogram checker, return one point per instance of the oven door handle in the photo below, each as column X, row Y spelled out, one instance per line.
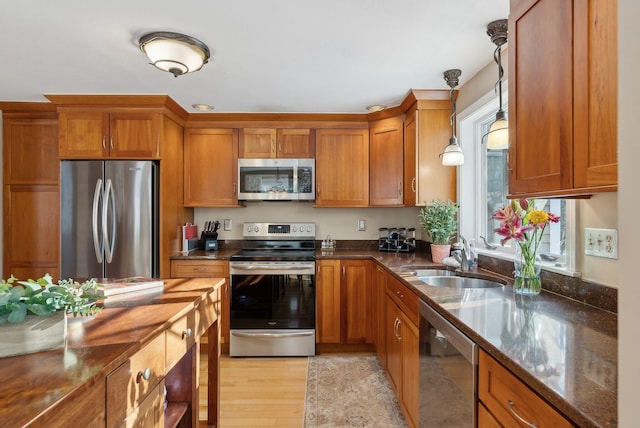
column 295, row 334
column 279, row 268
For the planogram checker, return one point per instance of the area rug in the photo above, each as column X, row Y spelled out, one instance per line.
column 345, row 391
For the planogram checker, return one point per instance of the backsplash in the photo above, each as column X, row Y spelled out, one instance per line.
column 590, row 293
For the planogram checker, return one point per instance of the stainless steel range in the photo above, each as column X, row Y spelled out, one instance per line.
column 273, row 291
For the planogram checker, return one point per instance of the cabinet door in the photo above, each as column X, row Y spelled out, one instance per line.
column 295, row 143
column 342, row 167
column 434, row 131
column 31, row 198
column 84, row 135
column 257, row 143
column 385, row 164
column 328, row 298
column 596, row 94
column 410, row 140
column 410, row 369
column 357, row 300
column 393, row 345
column 540, row 95
column 134, row 135
column 210, row 167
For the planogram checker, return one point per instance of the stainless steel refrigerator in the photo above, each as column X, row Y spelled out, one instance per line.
column 109, row 219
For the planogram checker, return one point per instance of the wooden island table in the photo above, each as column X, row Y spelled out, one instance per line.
column 136, row 363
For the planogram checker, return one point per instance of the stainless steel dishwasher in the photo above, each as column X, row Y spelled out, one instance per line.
column 448, row 373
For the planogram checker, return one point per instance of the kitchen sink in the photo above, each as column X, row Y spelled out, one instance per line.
column 458, row 282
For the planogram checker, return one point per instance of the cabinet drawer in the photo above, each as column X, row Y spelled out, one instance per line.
column 179, row 338
column 129, row 384
column 150, row 413
column 509, row 399
column 405, row 298
column 207, row 312
column 199, row 269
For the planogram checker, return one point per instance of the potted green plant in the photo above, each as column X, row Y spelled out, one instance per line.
column 33, row 313
column 439, row 220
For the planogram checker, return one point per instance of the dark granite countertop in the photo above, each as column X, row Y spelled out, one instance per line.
column 571, row 347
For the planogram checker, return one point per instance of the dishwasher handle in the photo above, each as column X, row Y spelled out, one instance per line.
column 449, row 334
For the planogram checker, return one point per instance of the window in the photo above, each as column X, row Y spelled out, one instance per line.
column 483, row 188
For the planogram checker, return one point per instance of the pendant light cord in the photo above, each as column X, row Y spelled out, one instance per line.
column 497, row 57
column 453, row 112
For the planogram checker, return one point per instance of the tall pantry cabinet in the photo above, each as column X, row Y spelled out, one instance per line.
column 30, row 190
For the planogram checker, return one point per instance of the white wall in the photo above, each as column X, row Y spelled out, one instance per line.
column 628, row 212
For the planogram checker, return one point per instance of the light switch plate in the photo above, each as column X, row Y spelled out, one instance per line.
column 227, row 224
column 601, row 243
column 362, row 225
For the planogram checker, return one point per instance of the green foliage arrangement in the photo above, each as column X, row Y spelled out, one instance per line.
column 42, row 297
column 439, row 219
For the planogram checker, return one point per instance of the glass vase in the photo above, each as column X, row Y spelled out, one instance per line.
column 527, row 270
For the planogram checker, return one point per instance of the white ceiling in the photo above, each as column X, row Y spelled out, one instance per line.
column 267, row 55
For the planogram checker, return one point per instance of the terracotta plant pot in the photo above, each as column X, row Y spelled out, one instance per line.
column 439, row 252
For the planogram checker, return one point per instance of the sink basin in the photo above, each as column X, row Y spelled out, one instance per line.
column 458, row 282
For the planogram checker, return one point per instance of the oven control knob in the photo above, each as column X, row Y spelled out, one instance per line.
column 308, row 228
column 294, row 229
column 256, row 229
column 248, row 228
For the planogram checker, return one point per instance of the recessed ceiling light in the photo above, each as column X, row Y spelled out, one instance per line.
column 376, row 107
column 202, row 107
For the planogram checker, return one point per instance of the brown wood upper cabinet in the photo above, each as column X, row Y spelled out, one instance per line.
column 91, row 134
column 342, row 168
column 210, row 167
column 562, row 97
column 426, row 133
column 277, row 143
column 386, row 163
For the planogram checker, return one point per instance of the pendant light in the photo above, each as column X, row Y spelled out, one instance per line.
column 498, row 135
column 452, row 155
column 174, row 52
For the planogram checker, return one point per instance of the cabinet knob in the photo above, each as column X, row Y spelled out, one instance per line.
column 144, row 374
column 187, row 333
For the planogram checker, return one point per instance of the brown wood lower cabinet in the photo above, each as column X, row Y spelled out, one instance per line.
column 344, row 302
column 509, row 401
column 401, row 346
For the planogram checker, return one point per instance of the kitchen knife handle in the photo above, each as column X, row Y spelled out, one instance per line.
column 97, row 243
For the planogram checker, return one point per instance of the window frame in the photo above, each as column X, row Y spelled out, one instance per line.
column 472, row 214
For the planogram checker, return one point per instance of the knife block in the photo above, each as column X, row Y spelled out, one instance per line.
column 209, row 241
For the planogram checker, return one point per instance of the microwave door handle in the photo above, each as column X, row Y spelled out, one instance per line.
column 97, row 242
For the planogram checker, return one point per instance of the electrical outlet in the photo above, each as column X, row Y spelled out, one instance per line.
column 362, row 225
column 227, row 224
column 601, row 243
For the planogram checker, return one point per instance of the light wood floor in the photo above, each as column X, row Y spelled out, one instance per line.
column 258, row 392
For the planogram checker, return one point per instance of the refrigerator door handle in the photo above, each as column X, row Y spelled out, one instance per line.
column 97, row 242
column 109, row 239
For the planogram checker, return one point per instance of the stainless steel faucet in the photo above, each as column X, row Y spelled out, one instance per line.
column 466, row 257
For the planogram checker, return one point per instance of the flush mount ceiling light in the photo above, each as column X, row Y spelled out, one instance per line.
column 174, row 52
column 498, row 135
column 452, row 155
column 376, row 107
column 202, row 107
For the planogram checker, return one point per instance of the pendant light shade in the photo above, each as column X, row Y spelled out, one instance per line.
column 498, row 135
column 452, row 154
column 174, row 52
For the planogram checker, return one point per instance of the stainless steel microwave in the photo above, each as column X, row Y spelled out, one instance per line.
column 276, row 179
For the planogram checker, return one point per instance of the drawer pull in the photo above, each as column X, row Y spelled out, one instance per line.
column 145, row 374
column 399, row 294
column 520, row 418
column 199, row 269
column 187, row 333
